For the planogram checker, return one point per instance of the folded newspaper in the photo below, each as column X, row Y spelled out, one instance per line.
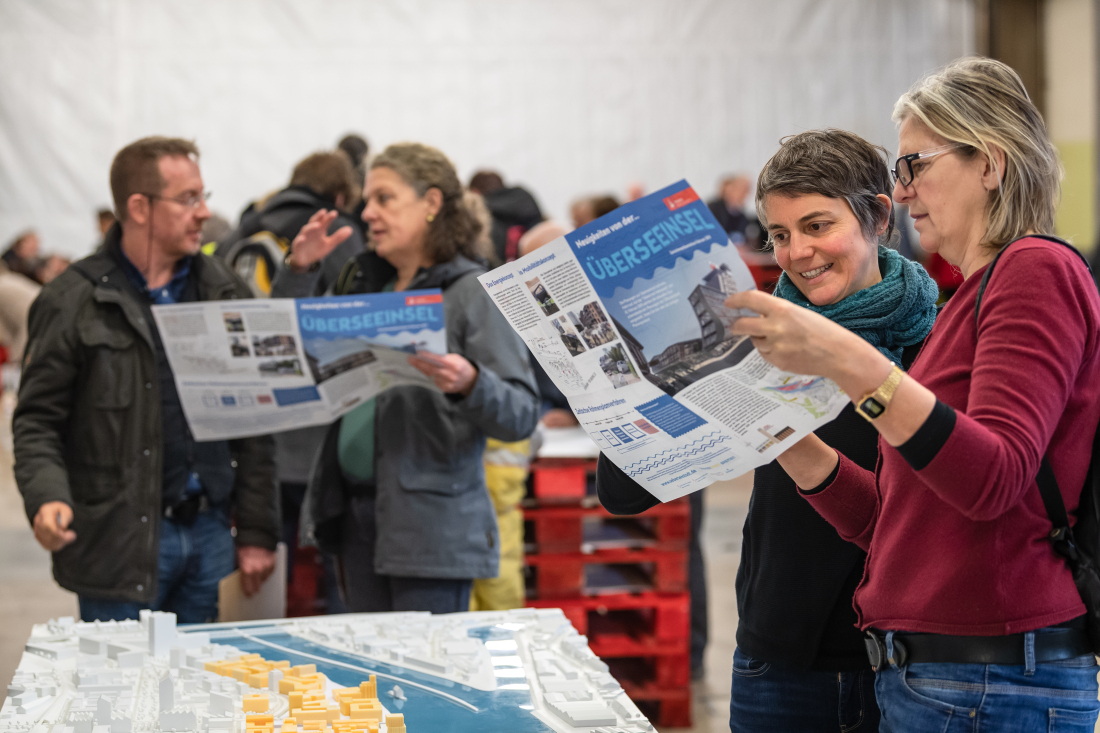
column 627, row 315
column 249, row 367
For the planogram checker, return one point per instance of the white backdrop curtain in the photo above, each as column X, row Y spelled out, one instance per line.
column 566, row 97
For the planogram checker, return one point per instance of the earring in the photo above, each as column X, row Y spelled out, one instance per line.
column 431, row 218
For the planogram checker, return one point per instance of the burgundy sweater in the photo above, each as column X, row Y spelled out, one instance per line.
column 952, row 521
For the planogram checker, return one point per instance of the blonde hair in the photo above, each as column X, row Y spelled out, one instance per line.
column 983, row 104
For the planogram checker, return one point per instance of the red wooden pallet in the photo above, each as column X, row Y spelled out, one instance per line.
column 561, row 478
column 564, row 575
column 663, row 617
column 562, row 528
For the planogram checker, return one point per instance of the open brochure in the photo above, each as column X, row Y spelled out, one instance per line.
column 249, row 367
column 627, row 315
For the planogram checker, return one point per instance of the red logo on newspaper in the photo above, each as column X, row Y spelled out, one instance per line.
column 681, row 199
column 423, row 299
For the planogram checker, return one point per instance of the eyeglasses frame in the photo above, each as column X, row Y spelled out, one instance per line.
column 193, row 201
column 920, row 155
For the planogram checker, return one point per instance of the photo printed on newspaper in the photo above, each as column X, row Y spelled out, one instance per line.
column 251, row 367
column 627, row 316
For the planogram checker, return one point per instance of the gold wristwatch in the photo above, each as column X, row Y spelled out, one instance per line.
column 873, row 404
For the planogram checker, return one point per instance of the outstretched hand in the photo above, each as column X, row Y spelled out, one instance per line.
column 452, row 373
column 792, row 338
column 313, row 242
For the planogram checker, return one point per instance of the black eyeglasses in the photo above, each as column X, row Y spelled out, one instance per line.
column 193, row 201
column 903, row 167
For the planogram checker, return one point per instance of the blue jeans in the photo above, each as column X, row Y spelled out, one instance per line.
column 191, row 562
column 979, row 698
column 764, row 699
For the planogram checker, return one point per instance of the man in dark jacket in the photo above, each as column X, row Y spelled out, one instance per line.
column 134, row 510
column 514, row 211
column 324, row 180
column 729, row 209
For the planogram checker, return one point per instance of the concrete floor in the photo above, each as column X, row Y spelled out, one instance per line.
column 28, row 593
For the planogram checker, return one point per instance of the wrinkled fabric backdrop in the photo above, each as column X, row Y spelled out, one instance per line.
column 567, row 97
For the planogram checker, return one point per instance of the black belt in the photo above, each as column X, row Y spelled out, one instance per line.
column 188, row 510
column 1050, row 645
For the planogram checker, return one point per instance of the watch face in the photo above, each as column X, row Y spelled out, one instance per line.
column 871, row 407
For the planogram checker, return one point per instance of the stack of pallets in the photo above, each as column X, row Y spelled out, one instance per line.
column 622, row 581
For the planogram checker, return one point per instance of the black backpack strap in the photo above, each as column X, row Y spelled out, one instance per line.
column 1052, row 496
column 346, row 276
column 989, row 270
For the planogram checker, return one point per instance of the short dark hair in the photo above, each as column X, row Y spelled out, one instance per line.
column 485, row 182
column 355, row 148
column 603, row 205
column 454, row 229
column 836, row 164
column 136, row 168
column 328, row 175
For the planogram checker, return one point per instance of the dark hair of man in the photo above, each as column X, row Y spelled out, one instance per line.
column 136, row 168
column 835, row 164
column 604, row 205
column 355, row 147
column 105, row 215
column 453, row 231
column 485, row 182
column 328, row 175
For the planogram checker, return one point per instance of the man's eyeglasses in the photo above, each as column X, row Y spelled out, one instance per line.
column 193, row 201
column 903, row 168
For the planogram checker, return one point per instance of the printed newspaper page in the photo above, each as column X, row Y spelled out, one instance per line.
column 250, row 367
column 627, row 315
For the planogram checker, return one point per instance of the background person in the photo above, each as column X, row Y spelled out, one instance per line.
column 959, row 570
column 399, row 486
column 357, row 149
column 515, row 211
column 22, row 256
column 17, row 293
column 800, row 662
column 320, row 181
column 134, row 510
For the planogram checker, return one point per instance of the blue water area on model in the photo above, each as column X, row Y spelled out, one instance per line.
column 424, row 711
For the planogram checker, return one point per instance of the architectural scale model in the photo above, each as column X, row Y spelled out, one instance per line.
column 516, row 671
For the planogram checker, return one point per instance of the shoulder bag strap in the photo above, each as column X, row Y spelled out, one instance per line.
column 1048, row 485
column 989, row 270
column 1052, row 497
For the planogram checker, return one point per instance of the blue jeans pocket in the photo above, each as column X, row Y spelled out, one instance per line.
column 1071, row 721
column 948, row 695
column 746, row 666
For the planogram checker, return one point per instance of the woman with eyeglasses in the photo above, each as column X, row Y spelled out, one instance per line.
column 974, row 623
column 800, row 663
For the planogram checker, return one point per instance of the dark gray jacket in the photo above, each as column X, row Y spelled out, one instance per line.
column 88, row 429
column 434, row 515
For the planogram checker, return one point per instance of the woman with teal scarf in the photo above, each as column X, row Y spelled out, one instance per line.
column 800, row 663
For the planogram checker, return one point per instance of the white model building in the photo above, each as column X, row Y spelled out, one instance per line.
column 520, row 670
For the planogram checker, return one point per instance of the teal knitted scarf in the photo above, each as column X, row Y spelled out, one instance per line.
column 890, row 315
